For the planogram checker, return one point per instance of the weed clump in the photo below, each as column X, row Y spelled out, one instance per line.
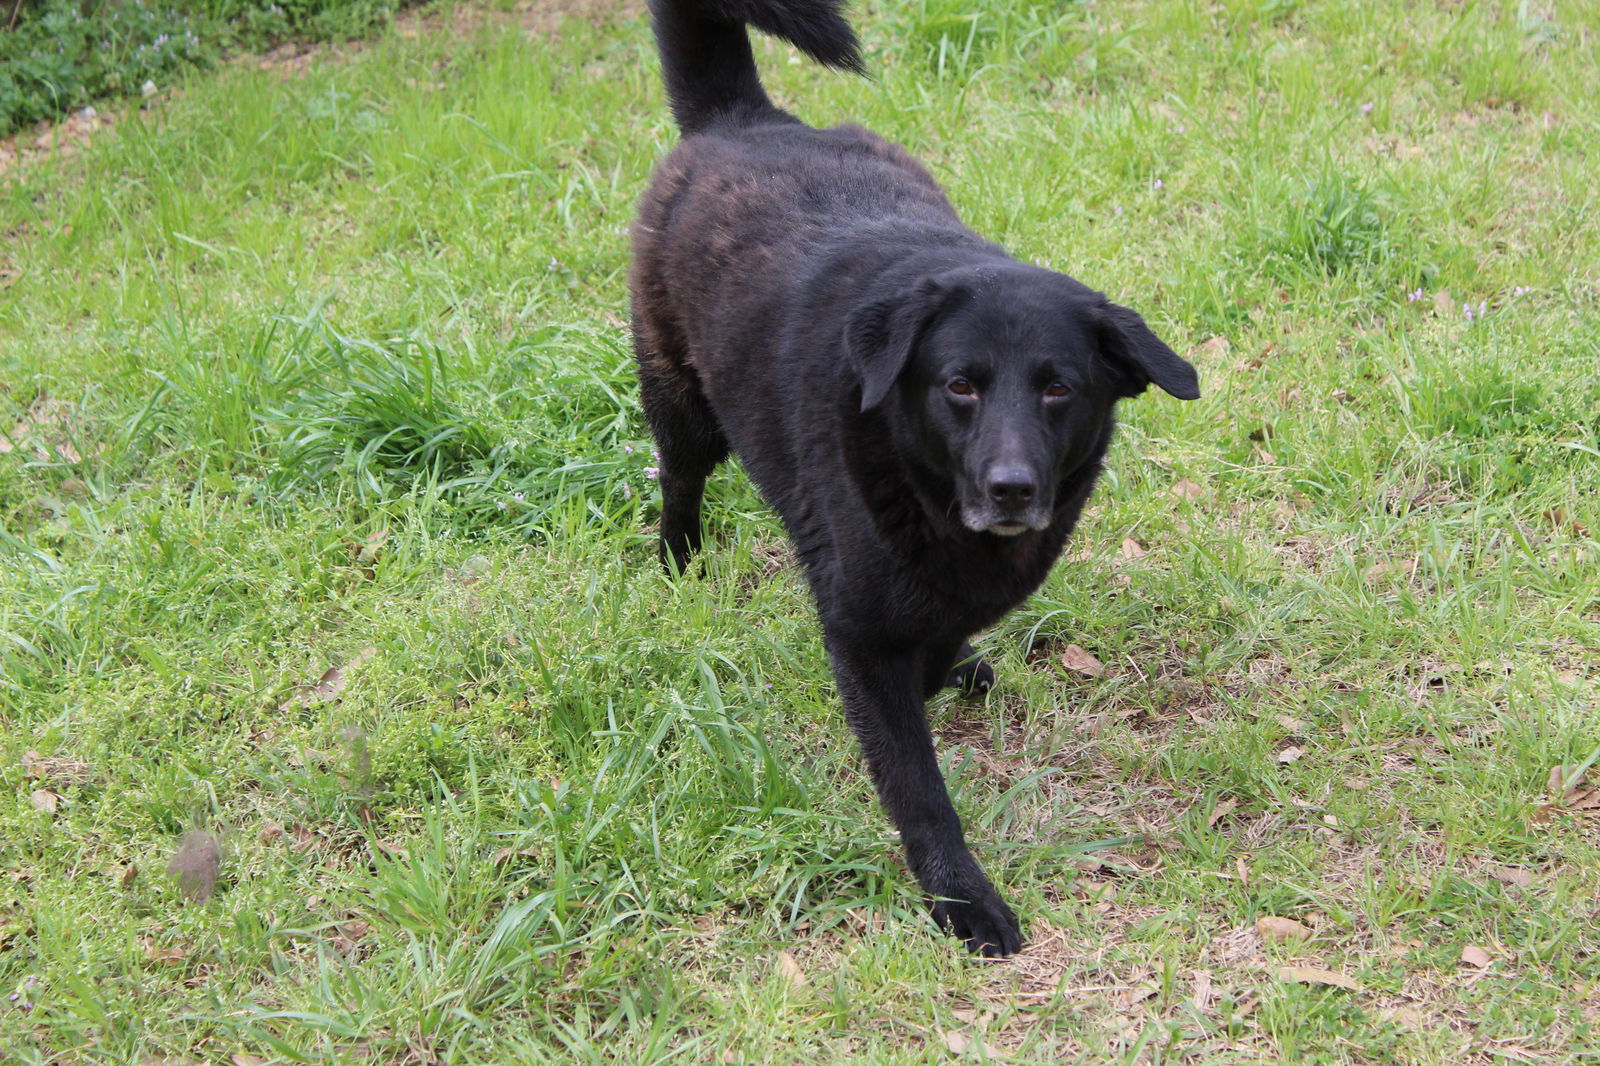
column 57, row 55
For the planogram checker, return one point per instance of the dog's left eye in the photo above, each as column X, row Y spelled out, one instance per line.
column 1056, row 389
column 960, row 386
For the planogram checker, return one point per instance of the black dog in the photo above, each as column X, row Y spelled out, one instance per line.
column 927, row 414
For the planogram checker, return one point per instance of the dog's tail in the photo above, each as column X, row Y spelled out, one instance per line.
column 706, row 58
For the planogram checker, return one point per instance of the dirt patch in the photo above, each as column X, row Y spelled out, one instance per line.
column 64, row 137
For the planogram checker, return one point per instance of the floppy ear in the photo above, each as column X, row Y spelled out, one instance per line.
column 1125, row 337
column 879, row 337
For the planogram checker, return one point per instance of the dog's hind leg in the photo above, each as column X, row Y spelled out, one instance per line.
column 690, row 443
column 971, row 673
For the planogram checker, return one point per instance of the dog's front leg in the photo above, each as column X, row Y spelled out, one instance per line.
column 882, row 696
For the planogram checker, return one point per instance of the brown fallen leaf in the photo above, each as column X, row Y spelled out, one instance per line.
column 166, row 956
column 1472, row 955
column 196, row 864
column 789, row 970
column 1214, row 346
column 130, row 874
column 61, row 769
column 347, row 940
column 958, row 1043
column 1443, row 303
column 364, row 553
column 1558, row 517
column 1187, row 490
column 1223, row 808
column 1136, row 993
column 1281, row 930
column 240, row 1058
column 1316, row 975
column 502, row 856
column 1078, row 659
column 44, row 800
column 1510, row 875
column 1290, row 754
column 1132, row 549
column 1202, row 990
column 1407, row 1016
column 1556, row 783
column 330, row 685
column 394, row 851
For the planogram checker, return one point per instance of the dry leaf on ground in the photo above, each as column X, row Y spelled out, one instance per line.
column 1510, row 875
column 1316, row 975
column 1473, row 955
column 59, row 768
column 329, row 686
column 44, row 800
column 1213, row 347
column 1079, row 660
column 196, row 865
column 1281, row 930
column 1187, row 490
column 167, row 956
column 789, row 970
column 1290, row 754
column 1224, row 807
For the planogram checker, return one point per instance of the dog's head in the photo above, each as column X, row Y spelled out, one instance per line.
column 1003, row 380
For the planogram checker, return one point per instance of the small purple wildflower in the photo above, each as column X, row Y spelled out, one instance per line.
column 519, row 497
column 1117, row 209
column 627, row 491
column 1522, row 290
column 1157, row 184
column 1414, row 296
column 627, row 449
column 503, row 505
column 652, row 472
column 1366, row 108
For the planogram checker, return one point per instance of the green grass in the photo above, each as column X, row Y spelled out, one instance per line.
column 331, row 371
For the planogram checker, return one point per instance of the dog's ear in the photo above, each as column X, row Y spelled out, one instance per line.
column 879, row 337
column 1125, row 338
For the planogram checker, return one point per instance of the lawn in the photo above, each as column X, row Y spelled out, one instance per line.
column 347, row 716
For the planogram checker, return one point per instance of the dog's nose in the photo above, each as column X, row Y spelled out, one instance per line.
column 1011, row 486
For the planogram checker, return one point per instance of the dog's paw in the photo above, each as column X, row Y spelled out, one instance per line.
column 987, row 925
column 973, row 677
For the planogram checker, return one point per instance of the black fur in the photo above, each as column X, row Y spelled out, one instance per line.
column 925, row 413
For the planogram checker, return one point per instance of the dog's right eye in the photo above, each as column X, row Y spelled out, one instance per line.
column 961, row 387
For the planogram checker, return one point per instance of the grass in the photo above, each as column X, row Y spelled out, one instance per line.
column 325, row 523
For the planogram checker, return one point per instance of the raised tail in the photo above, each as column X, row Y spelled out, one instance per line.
column 706, row 58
